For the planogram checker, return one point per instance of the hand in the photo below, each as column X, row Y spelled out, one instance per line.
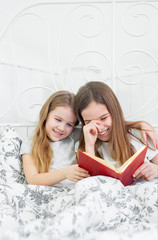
column 90, row 132
column 149, row 131
column 146, row 171
column 75, row 173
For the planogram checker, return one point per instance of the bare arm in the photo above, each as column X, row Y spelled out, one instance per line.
column 146, row 130
column 73, row 173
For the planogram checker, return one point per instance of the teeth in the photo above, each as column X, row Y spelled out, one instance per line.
column 102, row 133
column 59, row 133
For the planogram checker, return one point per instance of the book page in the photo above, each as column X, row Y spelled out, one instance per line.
column 131, row 159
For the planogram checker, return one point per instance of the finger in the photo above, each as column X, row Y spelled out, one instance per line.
column 153, row 141
column 91, row 128
column 81, row 170
column 149, row 178
column 139, row 170
column 82, row 175
column 144, row 136
column 148, row 175
column 94, row 131
column 153, row 137
column 144, row 173
column 100, row 128
column 77, row 178
column 138, row 176
column 88, row 127
column 157, row 142
column 98, row 125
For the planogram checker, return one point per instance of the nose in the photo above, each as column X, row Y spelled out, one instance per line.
column 101, row 128
column 61, row 127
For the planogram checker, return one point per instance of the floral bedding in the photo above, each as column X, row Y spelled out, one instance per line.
column 96, row 208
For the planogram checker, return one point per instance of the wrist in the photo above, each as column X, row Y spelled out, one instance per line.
column 90, row 149
column 64, row 172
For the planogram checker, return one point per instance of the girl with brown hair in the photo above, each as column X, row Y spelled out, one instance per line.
column 105, row 131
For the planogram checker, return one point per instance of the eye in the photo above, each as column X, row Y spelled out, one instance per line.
column 86, row 122
column 103, row 118
column 70, row 125
column 57, row 119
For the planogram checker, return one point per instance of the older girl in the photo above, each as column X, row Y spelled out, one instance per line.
column 105, row 131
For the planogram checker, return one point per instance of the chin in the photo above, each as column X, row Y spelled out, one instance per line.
column 104, row 139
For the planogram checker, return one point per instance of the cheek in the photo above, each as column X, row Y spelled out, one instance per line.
column 110, row 121
column 69, row 130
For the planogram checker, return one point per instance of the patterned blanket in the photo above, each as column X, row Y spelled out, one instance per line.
column 96, row 208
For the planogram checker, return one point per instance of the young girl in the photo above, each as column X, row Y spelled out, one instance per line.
column 105, row 131
column 52, row 155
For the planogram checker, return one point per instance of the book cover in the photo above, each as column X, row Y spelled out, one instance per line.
column 98, row 166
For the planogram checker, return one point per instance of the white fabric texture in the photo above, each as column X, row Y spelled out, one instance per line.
column 95, row 208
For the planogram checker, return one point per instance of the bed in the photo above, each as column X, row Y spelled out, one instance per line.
column 95, row 208
column 53, row 45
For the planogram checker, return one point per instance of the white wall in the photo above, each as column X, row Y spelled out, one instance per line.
column 55, row 45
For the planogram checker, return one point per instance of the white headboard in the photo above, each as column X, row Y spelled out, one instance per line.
column 51, row 45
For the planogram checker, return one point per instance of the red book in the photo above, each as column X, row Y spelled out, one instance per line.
column 98, row 166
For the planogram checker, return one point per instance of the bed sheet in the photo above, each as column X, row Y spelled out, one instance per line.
column 94, row 208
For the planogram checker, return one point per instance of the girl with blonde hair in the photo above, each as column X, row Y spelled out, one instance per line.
column 51, row 158
column 107, row 134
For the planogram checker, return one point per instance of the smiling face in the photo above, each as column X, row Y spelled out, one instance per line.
column 99, row 113
column 60, row 123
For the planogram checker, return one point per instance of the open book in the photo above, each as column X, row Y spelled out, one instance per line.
column 98, row 166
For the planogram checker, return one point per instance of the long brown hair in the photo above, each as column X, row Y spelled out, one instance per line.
column 41, row 150
column 120, row 147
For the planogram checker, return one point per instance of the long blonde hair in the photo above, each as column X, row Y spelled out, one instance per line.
column 41, row 150
column 120, row 147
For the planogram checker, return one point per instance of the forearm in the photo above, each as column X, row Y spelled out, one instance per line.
column 48, row 179
column 139, row 125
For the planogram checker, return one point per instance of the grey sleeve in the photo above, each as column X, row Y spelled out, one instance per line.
column 75, row 135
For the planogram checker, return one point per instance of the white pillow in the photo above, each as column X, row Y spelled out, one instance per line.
column 11, row 170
